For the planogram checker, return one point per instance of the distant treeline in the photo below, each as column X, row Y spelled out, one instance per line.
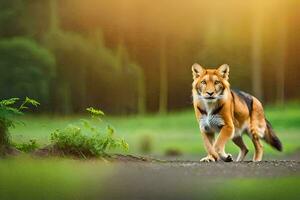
column 63, row 70
column 134, row 56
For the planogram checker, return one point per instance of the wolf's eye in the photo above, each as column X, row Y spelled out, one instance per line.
column 217, row 82
column 203, row 82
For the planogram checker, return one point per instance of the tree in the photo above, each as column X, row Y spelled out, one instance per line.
column 26, row 69
column 281, row 53
column 11, row 15
column 163, row 91
column 141, row 90
column 256, row 51
column 89, row 73
column 133, row 81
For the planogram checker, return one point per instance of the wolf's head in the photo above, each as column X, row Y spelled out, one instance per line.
column 209, row 84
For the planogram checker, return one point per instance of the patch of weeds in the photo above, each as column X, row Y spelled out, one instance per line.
column 86, row 139
column 27, row 147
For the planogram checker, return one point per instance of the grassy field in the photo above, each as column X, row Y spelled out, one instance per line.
column 177, row 131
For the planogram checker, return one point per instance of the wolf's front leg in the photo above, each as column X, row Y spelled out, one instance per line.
column 208, row 139
column 219, row 146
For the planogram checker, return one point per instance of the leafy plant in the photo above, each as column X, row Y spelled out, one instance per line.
column 8, row 112
column 95, row 112
column 27, row 146
column 86, row 139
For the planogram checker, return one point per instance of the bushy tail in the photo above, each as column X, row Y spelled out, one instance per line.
column 271, row 138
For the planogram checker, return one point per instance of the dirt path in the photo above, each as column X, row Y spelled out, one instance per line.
column 138, row 178
column 269, row 168
column 146, row 179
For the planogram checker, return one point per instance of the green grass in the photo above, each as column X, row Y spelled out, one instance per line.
column 175, row 130
column 259, row 189
column 24, row 178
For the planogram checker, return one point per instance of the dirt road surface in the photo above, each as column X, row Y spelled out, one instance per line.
column 136, row 179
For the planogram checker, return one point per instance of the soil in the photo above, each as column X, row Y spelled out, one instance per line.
column 146, row 178
column 287, row 165
column 267, row 168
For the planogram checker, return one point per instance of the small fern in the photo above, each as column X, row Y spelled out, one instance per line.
column 8, row 111
column 95, row 112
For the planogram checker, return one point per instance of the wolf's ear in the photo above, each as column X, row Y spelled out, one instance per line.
column 224, row 71
column 197, row 70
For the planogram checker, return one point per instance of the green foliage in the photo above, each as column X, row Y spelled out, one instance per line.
column 30, row 102
column 100, row 61
column 27, row 146
column 85, row 139
column 43, row 66
column 26, row 69
column 95, row 112
column 8, row 111
column 97, row 67
column 10, row 17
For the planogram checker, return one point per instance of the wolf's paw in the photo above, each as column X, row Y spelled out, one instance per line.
column 228, row 158
column 208, row 158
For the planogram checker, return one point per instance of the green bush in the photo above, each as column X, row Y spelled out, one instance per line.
column 85, row 139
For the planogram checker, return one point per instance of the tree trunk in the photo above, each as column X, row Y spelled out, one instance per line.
column 54, row 19
column 163, row 93
column 141, row 92
column 64, row 95
column 281, row 55
column 4, row 140
column 256, row 53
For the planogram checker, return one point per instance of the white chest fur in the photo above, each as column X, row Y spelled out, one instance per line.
column 211, row 123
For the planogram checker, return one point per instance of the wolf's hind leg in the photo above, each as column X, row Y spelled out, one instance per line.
column 257, row 129
column 238, row 140
column 258, row 154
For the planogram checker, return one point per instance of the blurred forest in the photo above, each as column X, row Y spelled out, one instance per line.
column 135, row 56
